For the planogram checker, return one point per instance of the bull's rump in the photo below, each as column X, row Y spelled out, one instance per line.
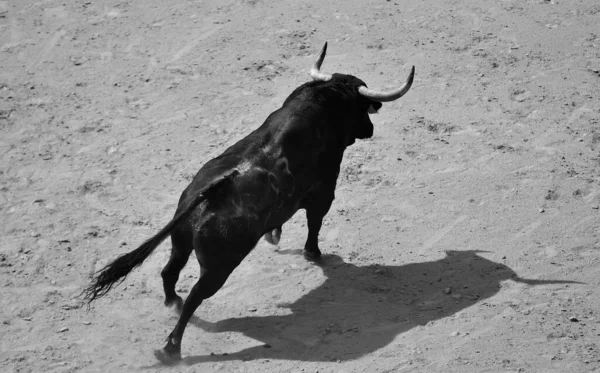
column 259, row 197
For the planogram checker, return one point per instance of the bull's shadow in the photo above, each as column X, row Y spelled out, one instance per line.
column 360, row 309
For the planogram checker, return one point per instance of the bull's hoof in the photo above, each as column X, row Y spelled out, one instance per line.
column 313, row 256
column 168, row 357
column 273, row 237
column 176, row 303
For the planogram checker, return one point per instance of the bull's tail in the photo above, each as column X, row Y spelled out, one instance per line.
column 116, row 272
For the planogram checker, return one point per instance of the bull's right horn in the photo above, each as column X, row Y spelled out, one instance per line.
column 388, row 96
column 314, row 71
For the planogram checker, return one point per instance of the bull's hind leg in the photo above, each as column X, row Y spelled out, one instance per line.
column 180, row 253
column 211, row 280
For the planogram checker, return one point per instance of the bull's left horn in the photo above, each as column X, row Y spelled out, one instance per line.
column 388, row 96
column 314, row 71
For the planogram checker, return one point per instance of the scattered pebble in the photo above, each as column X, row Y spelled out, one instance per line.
column 447, row 290
column 573, row 319
column 63, row 329
column 77, row 60
column 71, row 306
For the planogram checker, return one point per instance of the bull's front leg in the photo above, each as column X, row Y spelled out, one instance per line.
column 315, row 211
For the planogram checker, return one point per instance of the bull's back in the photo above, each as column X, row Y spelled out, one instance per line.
column 275, row 167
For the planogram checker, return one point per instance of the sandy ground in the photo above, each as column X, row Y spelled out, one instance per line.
column 464, row 236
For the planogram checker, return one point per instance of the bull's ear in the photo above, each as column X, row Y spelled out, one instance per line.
column 374, row 107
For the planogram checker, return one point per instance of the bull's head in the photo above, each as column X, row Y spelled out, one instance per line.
column 367, row 101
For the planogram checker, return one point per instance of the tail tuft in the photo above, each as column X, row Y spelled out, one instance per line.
column 116, row 272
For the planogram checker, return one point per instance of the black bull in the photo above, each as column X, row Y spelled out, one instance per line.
column 291, row 162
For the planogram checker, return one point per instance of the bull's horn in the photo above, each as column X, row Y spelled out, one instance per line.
column 388, row 96
column 314, row 71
